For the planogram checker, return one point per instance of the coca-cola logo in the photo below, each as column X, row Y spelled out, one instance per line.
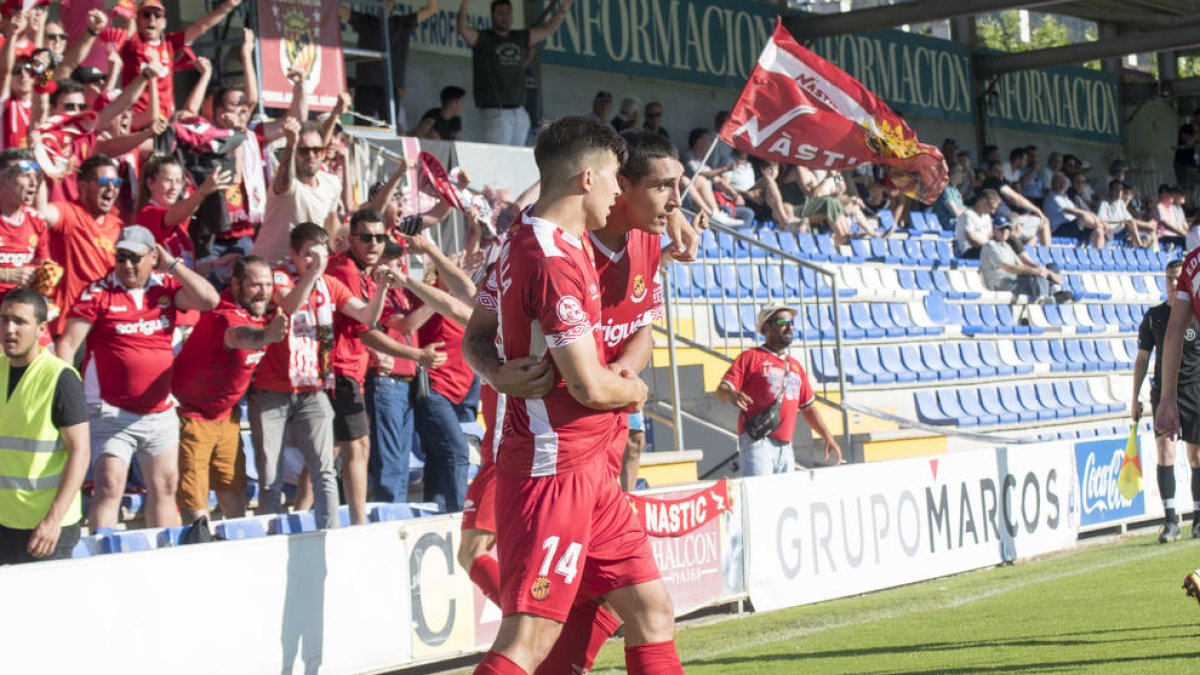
column 1099, row 492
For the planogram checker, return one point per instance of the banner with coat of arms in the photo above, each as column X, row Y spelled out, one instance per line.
column 302, row 35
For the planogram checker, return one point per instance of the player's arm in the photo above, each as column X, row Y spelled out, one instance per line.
column 1166, row 418
column 44, row 538
column 370, row 311
column 592, row 384
column 251, row 338
column 206, row 22
column 469, row 35
column 635, row 355
column 440, row 301
column 195, row 293
column 684, row 236
column 539, row 33
column 725, row 393
column 526, row 377
column 1140, row 364
column 74, row 334
column 428, row 356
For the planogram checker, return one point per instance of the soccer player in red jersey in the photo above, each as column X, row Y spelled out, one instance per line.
column 211, row 375
column 627, row 261
column 563, row 530
column 130, row 318
column 24, row 240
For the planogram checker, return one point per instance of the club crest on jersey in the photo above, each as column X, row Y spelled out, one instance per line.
column 639, row 289
column 164, row 301
column 570, row 311
column 540, row 589
column 33, row 240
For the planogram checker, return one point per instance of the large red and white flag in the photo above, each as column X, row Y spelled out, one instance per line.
column 797, row 108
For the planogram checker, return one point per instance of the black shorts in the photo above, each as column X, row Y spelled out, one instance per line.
column 1189, row 412
column 349, row 410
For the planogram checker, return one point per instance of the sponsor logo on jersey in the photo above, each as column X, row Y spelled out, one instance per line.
column 16, row 259
column 570, row 311
column 145, row 326
column 540, row 589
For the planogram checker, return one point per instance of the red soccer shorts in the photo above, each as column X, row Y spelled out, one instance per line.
column 566, row 538
column 479, row 511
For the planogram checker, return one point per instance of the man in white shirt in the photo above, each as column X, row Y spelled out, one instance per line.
column 1114, row 213
column 300, row 193
column 974, row 230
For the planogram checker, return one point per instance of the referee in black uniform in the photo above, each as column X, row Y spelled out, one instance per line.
column 1151, row 337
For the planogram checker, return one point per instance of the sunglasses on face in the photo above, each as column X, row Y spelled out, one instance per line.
column 109, row 181
column 310, row 150
column 367, row 238
column 123, row 258
column 56, row 36
column 74, row 107
column 783, row 323
column 150, row 15
column 27, row 166
column 27, row 68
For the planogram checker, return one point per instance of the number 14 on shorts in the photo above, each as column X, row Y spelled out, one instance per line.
column 567, row 566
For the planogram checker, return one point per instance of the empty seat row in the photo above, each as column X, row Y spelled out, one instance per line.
column 749, row 280
column 1082, row 356
column 1010, row 404
column 927, row 362
column 859, row 320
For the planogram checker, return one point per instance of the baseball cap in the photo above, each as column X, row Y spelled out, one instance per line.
column 135, row 239
column 604, row 96
column 1000, row 222
column 88, row 75
column 769, row 311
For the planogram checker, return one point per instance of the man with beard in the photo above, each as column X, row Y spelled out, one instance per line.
column 83, row 235
column 130, row 316
column 211, row 375
column 300, row 193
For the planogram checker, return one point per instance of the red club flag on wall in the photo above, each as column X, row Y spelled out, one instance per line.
column 302, row 36
column 797, row 108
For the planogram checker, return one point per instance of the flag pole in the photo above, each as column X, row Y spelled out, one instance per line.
column 703, row 165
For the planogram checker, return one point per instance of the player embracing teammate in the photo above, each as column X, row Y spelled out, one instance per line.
column 566, row 538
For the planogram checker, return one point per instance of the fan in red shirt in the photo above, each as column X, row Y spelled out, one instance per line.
column 82, row 236
column 288, row 392
column 18, row 75
column 164, row 211
column 24, row 240
column 563, row 530
column 128, row 319
column 628, row 253
column 766, row 378
column 165, row 52
column 212, row 373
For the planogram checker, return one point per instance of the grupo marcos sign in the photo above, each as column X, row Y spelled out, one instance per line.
column 818, row 535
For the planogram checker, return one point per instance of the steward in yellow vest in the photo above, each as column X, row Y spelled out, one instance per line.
column 44, row 446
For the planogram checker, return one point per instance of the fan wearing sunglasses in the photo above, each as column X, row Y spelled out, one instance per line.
column 18, row 76
column 151, row 44
column 165, row 211
column 24, row 241
column 769, row 387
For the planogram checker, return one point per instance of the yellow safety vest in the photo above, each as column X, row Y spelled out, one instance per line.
column 32, row 454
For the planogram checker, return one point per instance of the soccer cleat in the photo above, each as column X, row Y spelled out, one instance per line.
column 1170, row 533
column 1191, row 584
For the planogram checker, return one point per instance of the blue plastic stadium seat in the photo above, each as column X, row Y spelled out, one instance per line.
column 887, row 219
column 726, row 246
column 932, row 219
column 1008, row 398
column 991, row 356
column 928, row 410
column 131, row 504
column 952, row 357
column 293, row 523
column 901, row 317
column 883, row 319
column 907, row 280
column 931, row 250
column 972, row 321
column 240, row 528
column 991, row 319
column 1062, row 392
column 936, row 310
column 728, row 324
column 171, row 536
column 791, row 281
column 915, row 255
column 860, row 318
column 751, row 283
column 1029, row 400
column 708, row 245
column 897, row 255
column 989, row 400
column 931, row 356
column 828, row 249
column 124, row 542
column 968, row 401
column 680, row 278
column 767, row 238
column 917, row 223
column 910, row 356
column 1045, row 394
column 787, row 243
column 771, row 278
column 868, row 360
column 879, row 250
column 704, row 280
column 1084, row 394
column 1105, row 354
column 969, row 351
column 381, row 513
column 1024, row 350
column 728, row 280
column 889, row 356
column 860, row 249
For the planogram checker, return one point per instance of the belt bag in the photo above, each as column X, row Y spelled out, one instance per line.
column 421, row 387
column 765, row 422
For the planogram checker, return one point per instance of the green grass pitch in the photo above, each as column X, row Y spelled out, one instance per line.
column 1110, row 607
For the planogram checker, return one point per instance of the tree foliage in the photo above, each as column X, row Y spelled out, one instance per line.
column 1002, row 32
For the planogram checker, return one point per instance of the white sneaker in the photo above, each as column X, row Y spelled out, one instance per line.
column 720, row 218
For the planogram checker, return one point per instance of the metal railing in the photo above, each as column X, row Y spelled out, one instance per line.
column 715, row 300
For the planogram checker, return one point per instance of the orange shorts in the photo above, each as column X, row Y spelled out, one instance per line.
column 210, row 456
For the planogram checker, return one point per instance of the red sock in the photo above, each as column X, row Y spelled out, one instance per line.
column 655, row 658
column 485, row 572
column 587, row 627
column 495, row 663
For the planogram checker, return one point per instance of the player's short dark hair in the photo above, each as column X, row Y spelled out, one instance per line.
column 312, row 127
column 497, row 3
column 565, row 142
column 452, row 93
column 64, row 87
column 644, row 147
column 220, row 94
column 92, row 165
column 364, row 216
column 243, row 263
column 28, row 296
column 1178, row 262
column 990, row 195
column 307, row 233
column 1017, row 153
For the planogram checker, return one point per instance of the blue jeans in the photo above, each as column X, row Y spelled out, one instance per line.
column 391, row 416
column 765, row 456
column 447, row 457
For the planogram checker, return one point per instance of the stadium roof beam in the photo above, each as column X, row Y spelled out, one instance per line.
column 813, row 26
column 988, row 65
